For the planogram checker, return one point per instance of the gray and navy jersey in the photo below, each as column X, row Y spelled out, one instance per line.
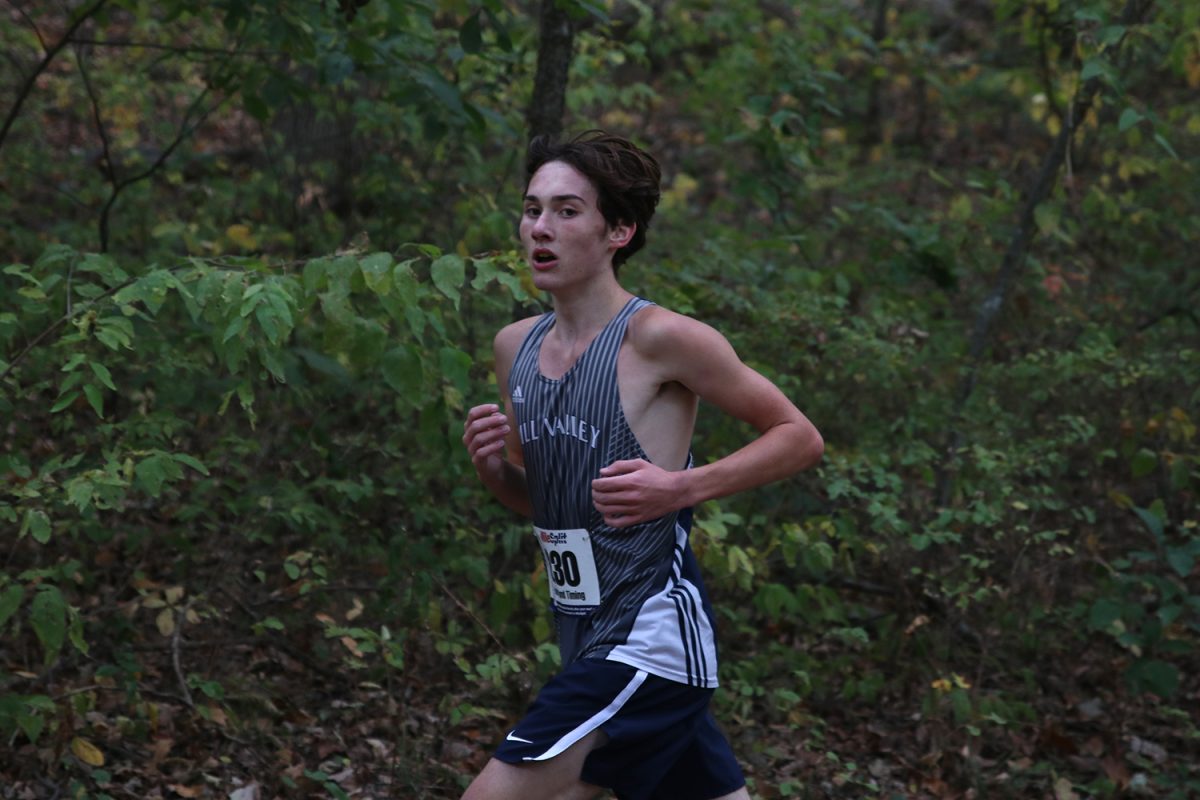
column 632, row 594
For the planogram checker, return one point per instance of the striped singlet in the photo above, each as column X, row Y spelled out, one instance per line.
column 631, row 594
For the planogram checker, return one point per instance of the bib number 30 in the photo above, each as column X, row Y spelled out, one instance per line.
column 570, row 566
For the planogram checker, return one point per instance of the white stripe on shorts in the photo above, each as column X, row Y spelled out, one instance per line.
column 594, row 721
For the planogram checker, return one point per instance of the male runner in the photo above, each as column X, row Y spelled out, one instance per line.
column 593, row 443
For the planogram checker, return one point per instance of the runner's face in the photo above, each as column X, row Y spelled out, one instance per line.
column 565, row 237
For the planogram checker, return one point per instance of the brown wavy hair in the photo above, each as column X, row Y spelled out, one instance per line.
column 626, row 178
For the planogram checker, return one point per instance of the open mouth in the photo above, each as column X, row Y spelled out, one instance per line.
column 543, row 258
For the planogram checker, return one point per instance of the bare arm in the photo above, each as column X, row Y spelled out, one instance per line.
column 695, row 355
column 490, row 433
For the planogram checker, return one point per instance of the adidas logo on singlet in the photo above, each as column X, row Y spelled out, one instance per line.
column 518, row 396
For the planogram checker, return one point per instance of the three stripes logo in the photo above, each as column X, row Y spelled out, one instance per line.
column 518, row 396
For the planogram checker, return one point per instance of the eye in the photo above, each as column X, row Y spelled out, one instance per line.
column 569, row 212
column 532, row 211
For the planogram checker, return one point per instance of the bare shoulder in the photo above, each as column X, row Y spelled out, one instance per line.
column 508, row 339
column 659, row 334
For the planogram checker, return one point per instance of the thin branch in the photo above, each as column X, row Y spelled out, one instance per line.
column 64, row 320
column 1044, row 66
column 177, row 49
column 110, row 171
column 180, row 618
column 468, row 611
column 32, row 24
column 27, row 87
column 186, row 127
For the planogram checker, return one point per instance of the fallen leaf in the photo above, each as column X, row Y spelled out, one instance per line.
column 87, row 752
column 1063, row 790
column 162, row 748
column 247, row 792
column 1117, row 771
column 217, row 715
column 165, row 622
column 186, row 791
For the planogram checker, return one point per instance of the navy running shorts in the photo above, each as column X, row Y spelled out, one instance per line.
column 663, row 743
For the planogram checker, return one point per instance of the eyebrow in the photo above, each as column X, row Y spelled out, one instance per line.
column 558, row 198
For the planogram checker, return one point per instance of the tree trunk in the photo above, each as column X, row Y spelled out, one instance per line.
column 555, row 45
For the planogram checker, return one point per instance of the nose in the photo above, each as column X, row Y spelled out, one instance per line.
column 541, row 226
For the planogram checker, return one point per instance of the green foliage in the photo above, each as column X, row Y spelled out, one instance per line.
column 232, row 390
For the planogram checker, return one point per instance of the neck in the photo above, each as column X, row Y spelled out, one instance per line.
column 586, row 310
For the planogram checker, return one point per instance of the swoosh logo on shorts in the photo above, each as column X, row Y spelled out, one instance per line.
column 512, row 738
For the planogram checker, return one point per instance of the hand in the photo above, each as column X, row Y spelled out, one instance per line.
column 631, row 492
column 483, row 434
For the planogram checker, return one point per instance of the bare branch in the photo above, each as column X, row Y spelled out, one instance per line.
column 27, row 87
column 32, row 24
column 177, row 49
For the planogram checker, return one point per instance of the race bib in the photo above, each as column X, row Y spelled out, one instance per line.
column 570, row 566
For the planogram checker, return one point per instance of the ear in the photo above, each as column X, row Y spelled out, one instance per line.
column 621, row 234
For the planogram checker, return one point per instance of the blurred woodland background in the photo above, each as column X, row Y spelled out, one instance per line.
column 251, row 258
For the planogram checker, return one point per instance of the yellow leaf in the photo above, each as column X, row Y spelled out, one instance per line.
column 165, row 622
column 355, row 612
column 173, row 594
column 87, row 752
column 242, row 237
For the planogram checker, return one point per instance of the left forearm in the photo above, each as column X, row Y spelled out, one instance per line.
column 779, row 452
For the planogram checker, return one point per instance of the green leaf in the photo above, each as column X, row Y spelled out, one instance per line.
column 95, row 398
column 1144, row 462
column 10, row 601
column 75, row 632
column 73, row 362
column 1129, row 118
column 402, row 370
column 1103, row 614
column 269, row 322
column 31, row 725
column 470, row 36
column 1165, row 145
column 1154, row 676
column 455, row 366
column 376, row 270
column 103, row 374
column 1152, row 522
column 37, row 525
column 194, row 463
column 80, row 492
column 1093, row 68
column 155, row 470
column 63, row 402
column 48, row 617
column 235, row 328
column 448, row 273
column 1182, row 560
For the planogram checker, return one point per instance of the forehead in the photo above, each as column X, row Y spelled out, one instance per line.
column 559, row 179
